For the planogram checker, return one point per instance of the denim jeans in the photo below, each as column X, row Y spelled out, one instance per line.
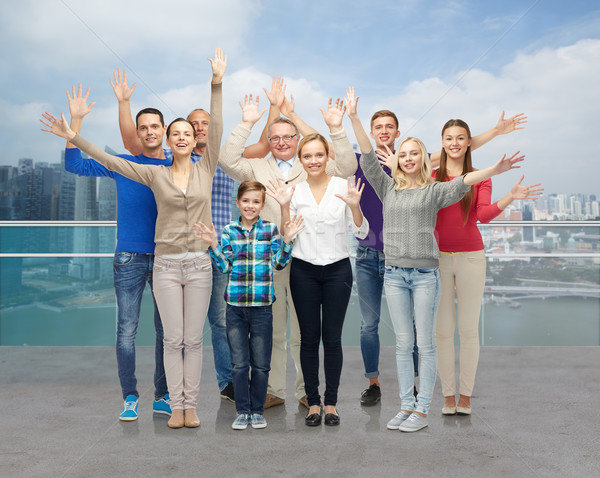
column 131, row 273
column 216, row 319
column 413, row 297
column 250, row 335
column 321, row 295
column 370, row 268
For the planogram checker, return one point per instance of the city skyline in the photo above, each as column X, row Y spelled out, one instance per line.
column 427, row 61
column 39, row 190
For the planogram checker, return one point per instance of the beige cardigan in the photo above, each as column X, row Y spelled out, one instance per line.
column 177, row 212
column 265, row 169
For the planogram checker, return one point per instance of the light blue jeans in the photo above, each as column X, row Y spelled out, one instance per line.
column 413, row 296
column 370, row 270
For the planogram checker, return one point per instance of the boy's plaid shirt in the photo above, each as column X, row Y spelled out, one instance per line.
column 251, row 255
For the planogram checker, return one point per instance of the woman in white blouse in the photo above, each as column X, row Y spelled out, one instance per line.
column 321, row 275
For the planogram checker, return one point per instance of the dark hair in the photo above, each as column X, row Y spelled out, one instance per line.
column 179, row 120
column 442, row 172
column 381, row 114
column 250, row 185
column 149, row 111
column 313, row 137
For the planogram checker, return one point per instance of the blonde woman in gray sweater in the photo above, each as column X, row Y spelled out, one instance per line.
column 411, row 200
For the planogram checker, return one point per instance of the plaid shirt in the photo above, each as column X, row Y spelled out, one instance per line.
column 251, row 255
column 222, row 191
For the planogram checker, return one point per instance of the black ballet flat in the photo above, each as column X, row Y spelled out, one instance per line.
column 313, row 420
column 332, row 420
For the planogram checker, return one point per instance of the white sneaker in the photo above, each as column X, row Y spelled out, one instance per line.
column 395, row 422
column 413, row 423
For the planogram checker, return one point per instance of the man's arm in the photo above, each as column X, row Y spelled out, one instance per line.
column 78, row 108
column 504, row 126
column 74, row 161
column 276, row 96
column 230, row 158
column 131, row 142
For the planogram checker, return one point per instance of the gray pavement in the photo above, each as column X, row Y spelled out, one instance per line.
column 536, row 412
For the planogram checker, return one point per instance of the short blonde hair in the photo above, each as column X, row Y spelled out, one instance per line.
column 425, row 174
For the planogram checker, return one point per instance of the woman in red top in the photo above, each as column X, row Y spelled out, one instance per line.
column 463, row 265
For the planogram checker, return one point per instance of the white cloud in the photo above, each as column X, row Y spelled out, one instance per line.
column 556, row 88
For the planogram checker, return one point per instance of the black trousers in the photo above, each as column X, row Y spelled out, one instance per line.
column 321, row 295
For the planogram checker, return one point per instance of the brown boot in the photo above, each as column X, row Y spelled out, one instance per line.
column 191, row 419
column 272, row 401
column 176, row 420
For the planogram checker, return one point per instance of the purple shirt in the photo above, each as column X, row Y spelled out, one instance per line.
column 372, row 209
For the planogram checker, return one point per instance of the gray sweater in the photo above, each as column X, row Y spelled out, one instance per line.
column 409, row 216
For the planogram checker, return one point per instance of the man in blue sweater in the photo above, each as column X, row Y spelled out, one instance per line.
column 134, row 255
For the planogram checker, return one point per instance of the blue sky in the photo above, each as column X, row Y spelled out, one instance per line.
column 426, row 60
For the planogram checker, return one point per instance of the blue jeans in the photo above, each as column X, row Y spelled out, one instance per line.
column 131, row 272
column 250, row 335
column 216, row 319
column 413, row 296
column 370, row 268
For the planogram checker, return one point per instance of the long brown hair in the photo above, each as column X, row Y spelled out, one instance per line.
column 442, row 172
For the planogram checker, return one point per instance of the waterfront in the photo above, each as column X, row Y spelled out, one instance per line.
column 552, row 321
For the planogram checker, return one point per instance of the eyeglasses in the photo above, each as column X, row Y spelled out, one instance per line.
column 286, row 139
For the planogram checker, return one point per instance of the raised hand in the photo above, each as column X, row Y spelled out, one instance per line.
column 292, row 227
column 207, row 234
column 59, row 127
column 511, row 124
column 287, row 107
column 352, row 196
column 387, row 157
column 78, row 105
column 506, row 164
column 218, row 65
column 519, row 191
column 278, row 191
column 334, row 115
column 119, row 86
column 351, row 102
column 277, row 94
column 250, row 112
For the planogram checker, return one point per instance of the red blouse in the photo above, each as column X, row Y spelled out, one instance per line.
column 452, row 234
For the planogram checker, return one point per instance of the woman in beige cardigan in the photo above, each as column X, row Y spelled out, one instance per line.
column 182, row 268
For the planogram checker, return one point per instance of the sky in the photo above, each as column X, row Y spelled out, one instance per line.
column 428, row 61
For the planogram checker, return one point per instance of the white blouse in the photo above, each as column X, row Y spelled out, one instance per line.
column 324, row 239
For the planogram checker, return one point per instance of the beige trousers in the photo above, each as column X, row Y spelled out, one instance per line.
column 463, row 273
column 182, row 289
column 283, row 309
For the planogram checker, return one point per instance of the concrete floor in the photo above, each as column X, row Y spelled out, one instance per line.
column 536, row 412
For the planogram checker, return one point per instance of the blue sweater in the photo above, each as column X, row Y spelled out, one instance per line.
column 136, row 208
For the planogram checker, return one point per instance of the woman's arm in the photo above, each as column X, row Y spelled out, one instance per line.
column 345, row 163
column 503, row 165
column 504, row 126
column 214, row 134
column 142, row 173
column 276, row 97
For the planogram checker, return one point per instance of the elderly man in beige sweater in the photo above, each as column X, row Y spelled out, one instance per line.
column 283, row 136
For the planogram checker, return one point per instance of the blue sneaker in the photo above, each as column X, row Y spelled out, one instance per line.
column 241, row 422
column 162, row 405
column 258, row 421
column 130, row 407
